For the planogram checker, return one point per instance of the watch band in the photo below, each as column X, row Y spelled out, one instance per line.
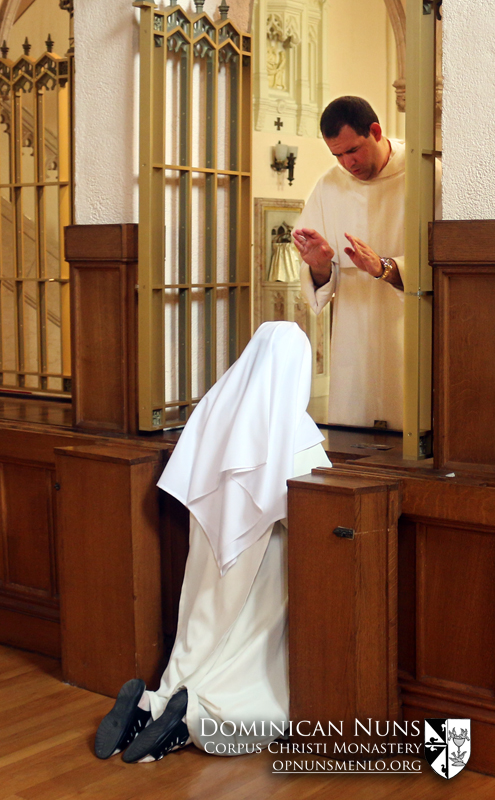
column 387, row 265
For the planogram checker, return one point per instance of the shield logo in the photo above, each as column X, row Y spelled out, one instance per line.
column 447, row 745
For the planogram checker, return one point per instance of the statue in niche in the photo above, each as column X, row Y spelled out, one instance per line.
column 275, row 65
column 285, row 262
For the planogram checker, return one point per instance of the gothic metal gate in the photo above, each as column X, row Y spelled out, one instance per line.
column 36, row 204
column 195, row 207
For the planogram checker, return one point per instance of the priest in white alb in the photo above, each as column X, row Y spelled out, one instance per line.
column 351, row 239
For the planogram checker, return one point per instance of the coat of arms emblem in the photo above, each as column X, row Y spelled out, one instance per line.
column 447, row 745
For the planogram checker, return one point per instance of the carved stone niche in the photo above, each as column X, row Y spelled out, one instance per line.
column 397, row 14
column 290, row 66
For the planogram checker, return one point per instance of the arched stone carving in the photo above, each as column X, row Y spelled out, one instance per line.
column 283, row 32
column 397, row 15
column 290, row 65
column 8, row 13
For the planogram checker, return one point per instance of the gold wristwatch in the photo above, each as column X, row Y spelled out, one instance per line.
column 387, row 264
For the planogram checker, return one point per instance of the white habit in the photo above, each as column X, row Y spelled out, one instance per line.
column 230, row 648
column 367, row 343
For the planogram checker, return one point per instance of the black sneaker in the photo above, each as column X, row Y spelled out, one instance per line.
column 123, row 723
column 165, row 734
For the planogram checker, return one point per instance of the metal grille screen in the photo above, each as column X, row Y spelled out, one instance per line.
column 36, row 203
column 195, row 207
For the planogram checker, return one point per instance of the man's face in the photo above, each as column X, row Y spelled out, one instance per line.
column 362, row 156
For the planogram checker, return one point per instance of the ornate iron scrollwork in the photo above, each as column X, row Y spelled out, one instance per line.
column 202, row 25
column 46, row 72
column 229, row 32
column 177, row 42
column 203, row 48
column 23, row 75
column 227, row 54
column 178, row 19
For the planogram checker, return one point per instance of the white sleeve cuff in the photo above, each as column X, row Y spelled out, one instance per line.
column 317, row 297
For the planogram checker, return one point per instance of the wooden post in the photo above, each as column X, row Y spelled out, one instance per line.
column 462, row 253
column 342, row 600
column 109, row 562
column 103, row 270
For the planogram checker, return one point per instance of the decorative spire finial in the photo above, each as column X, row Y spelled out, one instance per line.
column 49, row 44
column 4, row 48
column 224, row 10
column 26, row 46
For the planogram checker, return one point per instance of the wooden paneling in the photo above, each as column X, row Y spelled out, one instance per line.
column 30, row 409
column 101, row 242
column 29, row 596
column 99, row 322
column 417, row 703
column 463, row 256
column 455, row 590
column 109, row 558
column 35, row 445
column 29, row 602
column 446, row 600
column 342, row 599
column 28, row 534
column 464, row 498
column 406, row 614
column 453, row 597
column 103, row 261
column 30, row 627
column 462, row 241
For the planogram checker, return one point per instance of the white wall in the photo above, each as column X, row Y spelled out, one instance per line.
column 468, row 123
column 313, row 160
column 358, row 51
column 106, row 42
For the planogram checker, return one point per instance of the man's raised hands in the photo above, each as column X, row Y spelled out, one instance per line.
column 316, row 253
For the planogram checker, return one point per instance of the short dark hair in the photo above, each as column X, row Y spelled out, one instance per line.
column 348, row 110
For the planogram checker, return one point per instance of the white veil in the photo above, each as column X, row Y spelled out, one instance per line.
column 236, row 452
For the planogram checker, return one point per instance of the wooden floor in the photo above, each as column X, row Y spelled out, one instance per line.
column 46, row 753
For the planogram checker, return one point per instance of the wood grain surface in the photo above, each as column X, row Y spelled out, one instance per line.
column 109, row 565
column 462, row 254
column 103, row 276
column 46, row 753
column 343, row 598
